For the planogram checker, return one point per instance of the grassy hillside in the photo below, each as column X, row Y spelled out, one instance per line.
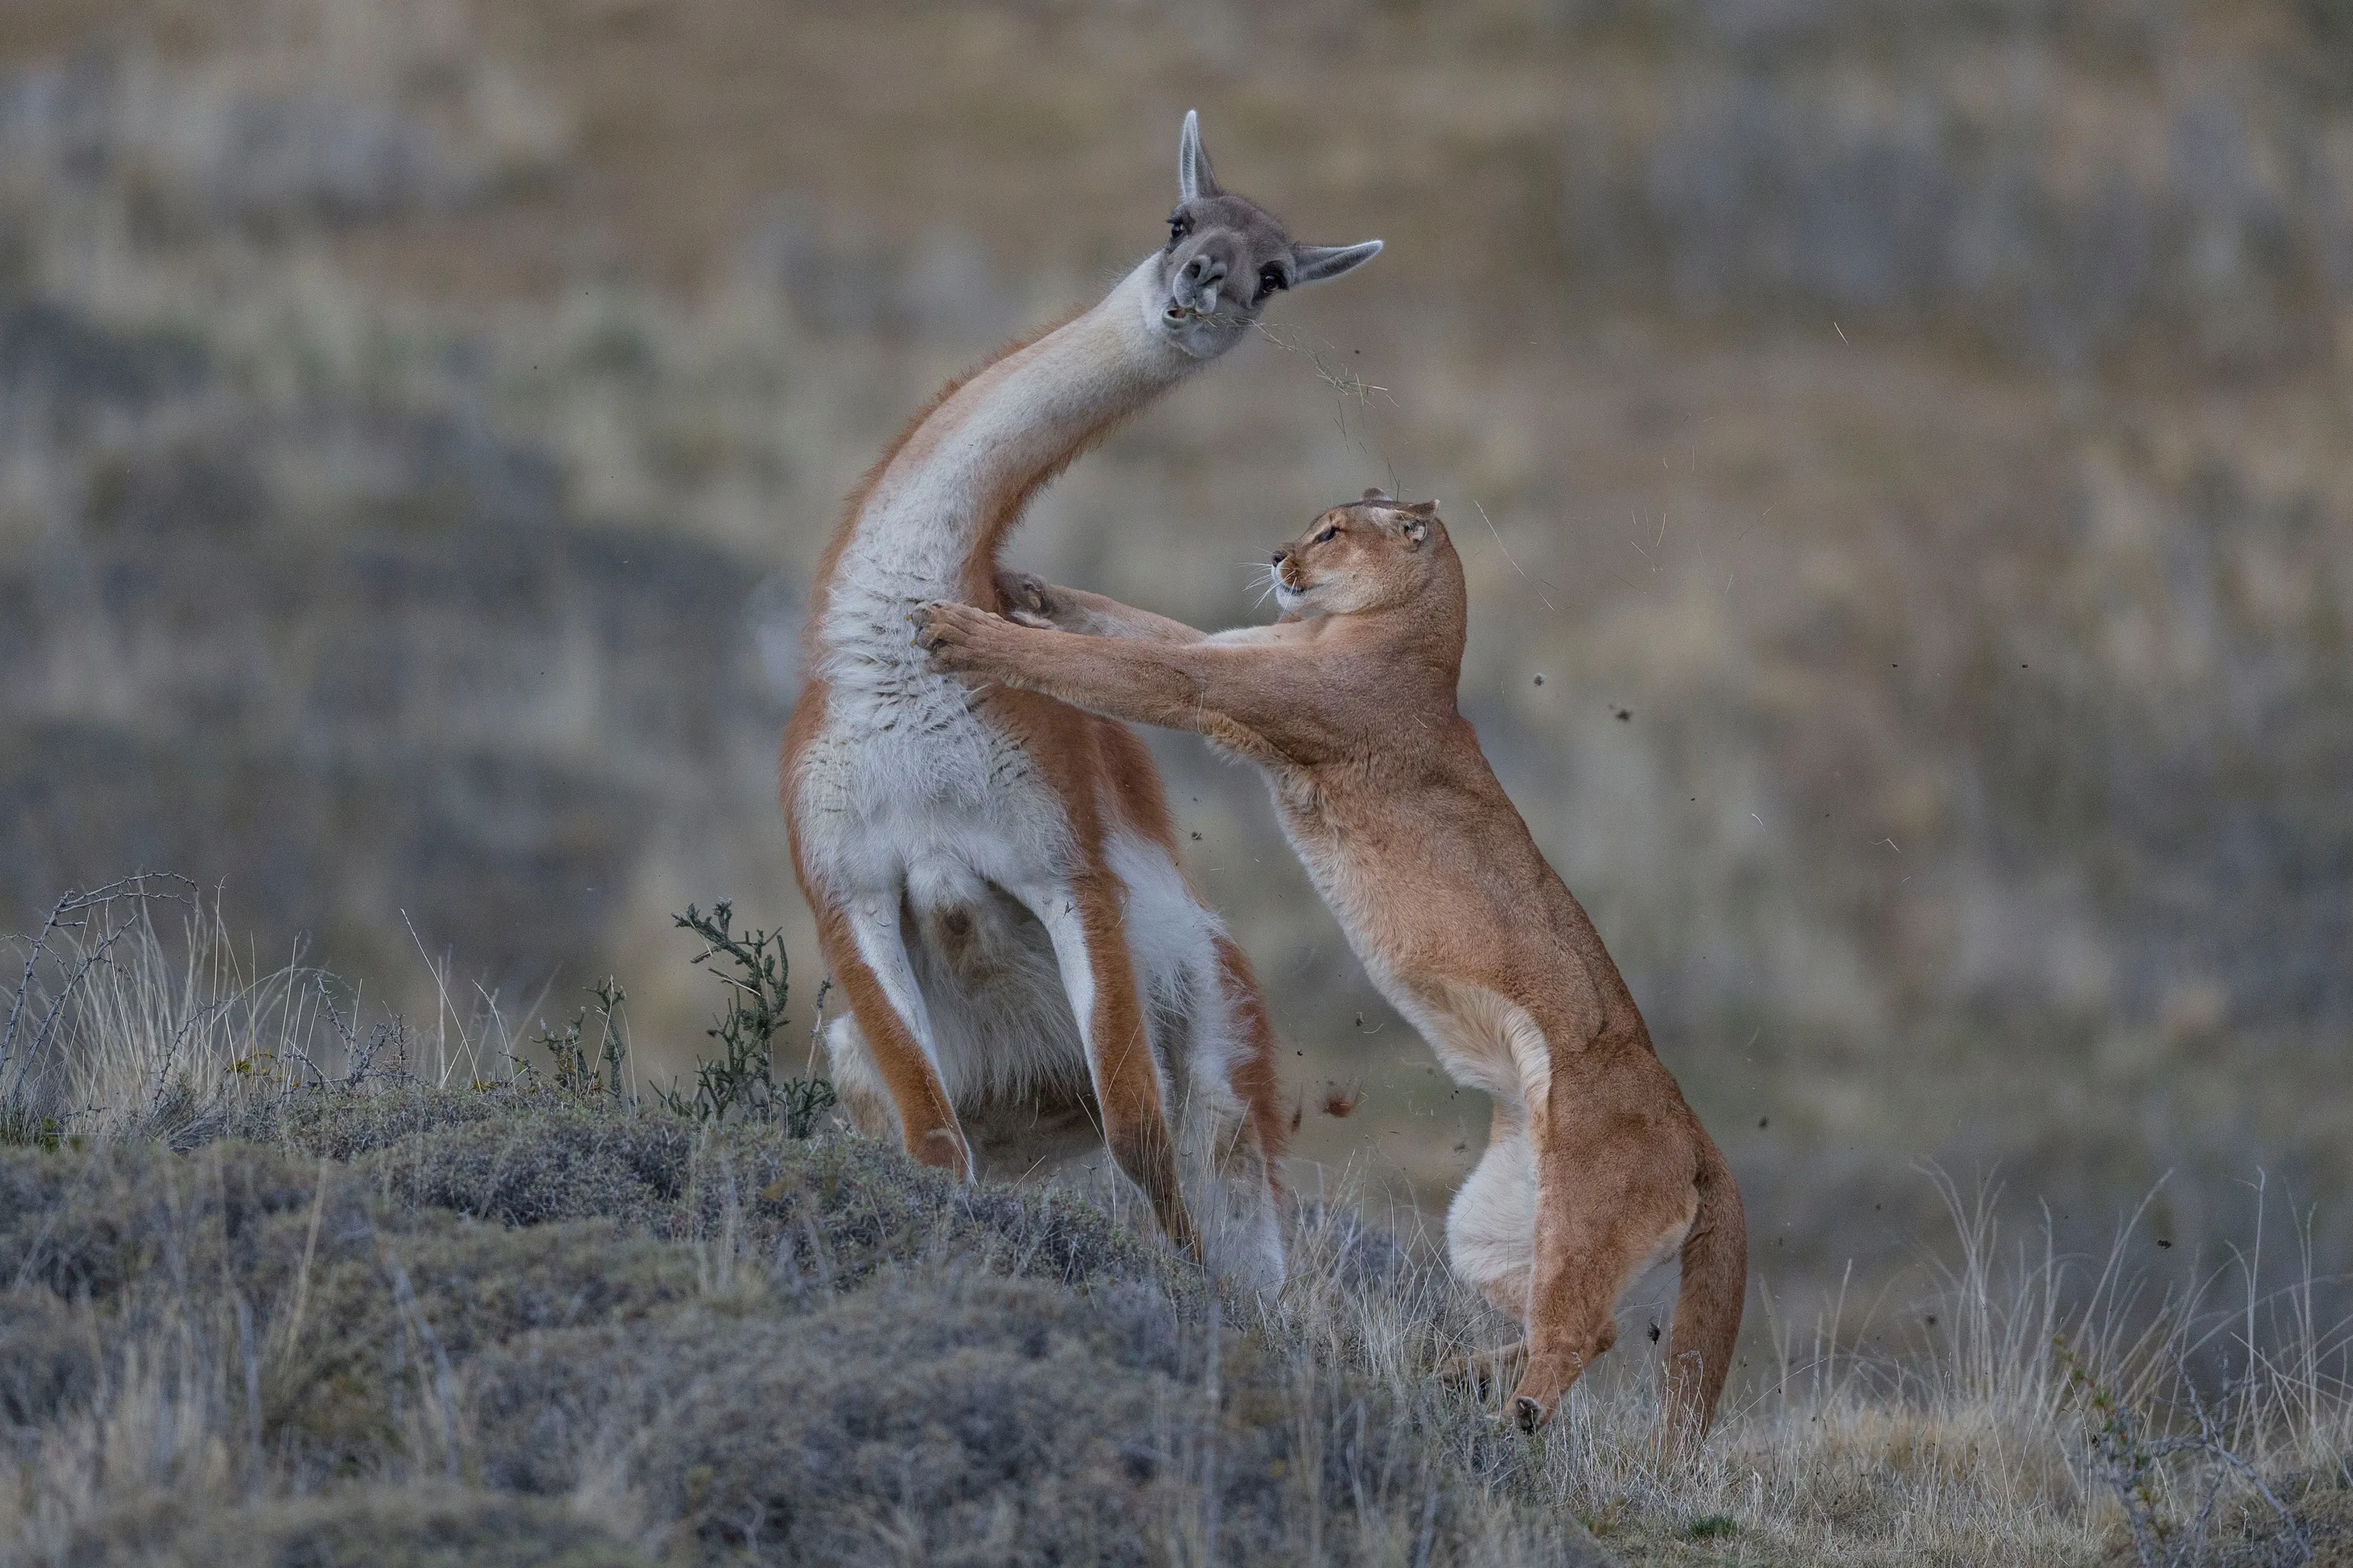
column 275, row 1289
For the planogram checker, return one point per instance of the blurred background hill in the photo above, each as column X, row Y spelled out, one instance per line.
column 1900, row 452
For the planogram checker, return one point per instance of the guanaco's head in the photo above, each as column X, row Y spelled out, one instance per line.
column 1373, row 553
column 1226, row 257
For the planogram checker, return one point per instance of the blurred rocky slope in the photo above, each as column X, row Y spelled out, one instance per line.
column 1900, row 454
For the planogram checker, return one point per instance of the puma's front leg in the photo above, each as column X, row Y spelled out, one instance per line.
column 1140, row 682
column 1030, row 600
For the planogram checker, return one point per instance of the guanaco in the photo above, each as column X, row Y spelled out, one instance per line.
column 1595, row 1167
column 995, row 874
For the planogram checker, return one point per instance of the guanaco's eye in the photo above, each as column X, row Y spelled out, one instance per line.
column 1178, row 224
column 1270, row 278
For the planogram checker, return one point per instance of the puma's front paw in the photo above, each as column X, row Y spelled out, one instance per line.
column 1027, row 599
column 958, row 634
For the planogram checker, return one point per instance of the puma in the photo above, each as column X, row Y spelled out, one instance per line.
column 1595, row 1167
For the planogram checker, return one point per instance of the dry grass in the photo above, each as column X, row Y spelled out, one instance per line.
column 490, row 1320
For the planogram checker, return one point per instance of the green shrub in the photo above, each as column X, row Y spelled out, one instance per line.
column 752, row 970
column 577, row 1070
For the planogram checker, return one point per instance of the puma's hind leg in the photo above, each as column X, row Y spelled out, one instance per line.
column 1490, row 1226
column 1491, row 1245
column 1613, row 1190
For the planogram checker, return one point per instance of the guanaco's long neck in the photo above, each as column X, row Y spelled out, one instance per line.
column 931, row 526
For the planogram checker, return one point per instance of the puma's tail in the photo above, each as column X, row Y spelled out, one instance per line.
column 1708, row 1306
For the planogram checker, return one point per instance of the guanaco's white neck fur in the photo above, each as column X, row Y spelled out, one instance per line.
column 933, row 507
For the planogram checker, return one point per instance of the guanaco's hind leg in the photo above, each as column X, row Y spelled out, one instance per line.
column 858, row 1084
column 1083, row 920
column 868, row 958
column 1230, row 1123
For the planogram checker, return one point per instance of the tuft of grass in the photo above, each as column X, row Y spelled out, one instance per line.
column 2128, row 1452
column 133, row 1012
column 25, row 1128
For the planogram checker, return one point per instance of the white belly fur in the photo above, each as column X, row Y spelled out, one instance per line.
column 915, row 799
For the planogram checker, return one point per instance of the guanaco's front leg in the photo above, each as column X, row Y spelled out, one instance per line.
column 1084, row 921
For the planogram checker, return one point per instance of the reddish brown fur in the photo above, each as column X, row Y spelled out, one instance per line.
column 1086, row 759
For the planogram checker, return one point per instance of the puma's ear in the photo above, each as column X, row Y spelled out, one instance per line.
column 1417, row 533
column 1318, row 263
column 1377, row 495
column 1194, row 179
column 1423, row 508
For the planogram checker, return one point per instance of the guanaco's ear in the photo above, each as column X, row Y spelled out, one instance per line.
column 1194, row 179
column 1319, row 263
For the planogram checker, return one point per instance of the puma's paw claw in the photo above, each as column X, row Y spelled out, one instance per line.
column 941, row 625
column 1526, row 1414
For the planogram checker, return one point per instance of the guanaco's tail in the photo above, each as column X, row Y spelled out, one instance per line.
column 1708, row 1306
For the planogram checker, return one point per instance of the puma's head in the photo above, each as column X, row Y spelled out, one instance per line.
column 1370, row 555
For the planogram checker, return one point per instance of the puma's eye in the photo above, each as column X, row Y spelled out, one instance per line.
column 1270, row 278
column 1325, row 535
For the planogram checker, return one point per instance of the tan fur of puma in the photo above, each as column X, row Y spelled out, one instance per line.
column 1596, row 1168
